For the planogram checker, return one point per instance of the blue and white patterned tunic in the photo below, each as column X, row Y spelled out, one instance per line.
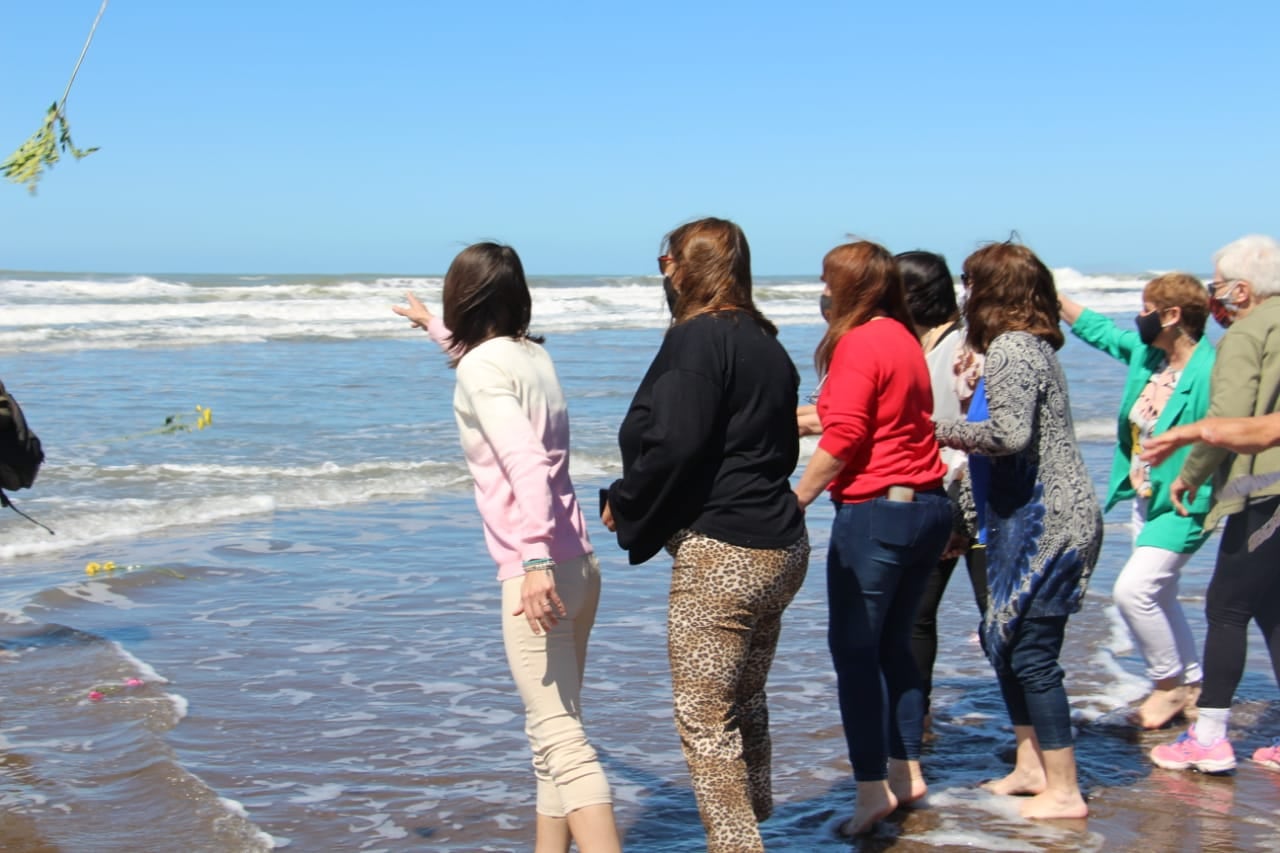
column 1044, row 524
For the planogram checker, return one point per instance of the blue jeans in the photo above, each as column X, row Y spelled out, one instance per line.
column 1032, row 685
column 880, row 558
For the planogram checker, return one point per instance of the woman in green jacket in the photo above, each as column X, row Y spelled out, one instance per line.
column 1170, row 361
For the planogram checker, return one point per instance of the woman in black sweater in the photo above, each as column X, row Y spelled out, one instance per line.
column 708, row 447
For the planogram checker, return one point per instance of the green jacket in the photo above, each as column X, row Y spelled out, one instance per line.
column 1246, row 382
column 1189, row 402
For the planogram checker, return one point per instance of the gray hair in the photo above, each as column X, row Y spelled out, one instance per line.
column 1255, row 259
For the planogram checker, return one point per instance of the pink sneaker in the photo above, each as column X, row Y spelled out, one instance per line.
column 1269, row 756
column 1186, row 752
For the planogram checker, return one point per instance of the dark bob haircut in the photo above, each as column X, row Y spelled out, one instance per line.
column 486, row 296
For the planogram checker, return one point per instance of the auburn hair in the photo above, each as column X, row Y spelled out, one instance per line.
column 865, row 282
column 1179, row 290
column 1009, row 290
column 711, row 271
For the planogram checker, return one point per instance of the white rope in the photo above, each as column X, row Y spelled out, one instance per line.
column 62, row 103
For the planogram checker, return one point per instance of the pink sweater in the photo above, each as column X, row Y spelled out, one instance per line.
column 514, row 427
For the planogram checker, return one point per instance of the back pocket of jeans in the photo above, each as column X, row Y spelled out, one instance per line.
column 895, row 523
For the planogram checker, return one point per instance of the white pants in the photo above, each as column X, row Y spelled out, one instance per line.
column 548, row 669
column 1146, row 594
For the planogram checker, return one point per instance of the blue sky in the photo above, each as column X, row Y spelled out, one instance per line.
column 281, row 136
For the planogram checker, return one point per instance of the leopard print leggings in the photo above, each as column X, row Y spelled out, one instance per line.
column 724, row 618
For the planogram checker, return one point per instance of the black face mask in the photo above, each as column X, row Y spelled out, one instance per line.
column 1149, row 327
column 669, row 290
column 824, row 305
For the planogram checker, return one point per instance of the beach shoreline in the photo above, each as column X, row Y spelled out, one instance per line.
column 286, row 734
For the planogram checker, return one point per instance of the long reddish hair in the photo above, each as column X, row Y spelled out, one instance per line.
column 1009, row 290
column 711, row 270
column 865, row 282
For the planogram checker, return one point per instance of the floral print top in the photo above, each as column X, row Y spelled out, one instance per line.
column 1142, row 421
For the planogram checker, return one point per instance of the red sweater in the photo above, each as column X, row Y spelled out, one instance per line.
column 876, row 408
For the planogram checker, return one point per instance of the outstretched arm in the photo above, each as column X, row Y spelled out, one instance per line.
column 1239, row 435
column 1069, row 309
column 807, row 420
column 417, row 313
column 1242, row 435
column 1013, row 391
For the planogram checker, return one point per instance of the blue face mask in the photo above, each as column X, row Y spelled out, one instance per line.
column 824, row 305
column 669, row 290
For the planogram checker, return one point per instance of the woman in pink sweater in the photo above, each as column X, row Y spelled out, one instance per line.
column 514, row 427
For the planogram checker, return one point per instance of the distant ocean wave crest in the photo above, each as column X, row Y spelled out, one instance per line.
column 59, row 312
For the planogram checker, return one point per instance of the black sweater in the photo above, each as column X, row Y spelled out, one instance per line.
column 710, row 441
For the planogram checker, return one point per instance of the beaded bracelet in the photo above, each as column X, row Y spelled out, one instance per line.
column 540, row 564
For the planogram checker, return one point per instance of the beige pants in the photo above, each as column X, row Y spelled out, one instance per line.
column 548, row 669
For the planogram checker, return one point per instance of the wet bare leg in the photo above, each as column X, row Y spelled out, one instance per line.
column 1028, row 775
column 875, row 802
column 1061, row 797
column 1167, row 699
column 1191, row 710
column 592, row 827
column 552, row 835
column 594, row 830
column 906, row 781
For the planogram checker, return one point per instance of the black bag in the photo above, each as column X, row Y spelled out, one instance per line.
column 20, row 452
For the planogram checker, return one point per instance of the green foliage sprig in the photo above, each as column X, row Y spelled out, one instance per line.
column 26, row 165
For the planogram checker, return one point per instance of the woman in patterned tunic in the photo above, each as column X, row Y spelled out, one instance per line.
column 1044, row 525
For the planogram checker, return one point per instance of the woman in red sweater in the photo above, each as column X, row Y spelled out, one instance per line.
column 880, row 461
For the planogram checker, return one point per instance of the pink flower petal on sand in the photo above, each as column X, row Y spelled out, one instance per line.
column 95, row 696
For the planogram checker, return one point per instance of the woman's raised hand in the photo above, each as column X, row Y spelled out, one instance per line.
column 417, row 313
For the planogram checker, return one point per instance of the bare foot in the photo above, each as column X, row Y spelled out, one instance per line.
column 906, row 782
column 1055, row 805
column 1019, row 783
column 875, row 803
column 1161, row 707
column 1191, row 710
